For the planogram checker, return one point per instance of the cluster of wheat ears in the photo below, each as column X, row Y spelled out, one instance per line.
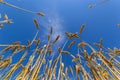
column 103, row 63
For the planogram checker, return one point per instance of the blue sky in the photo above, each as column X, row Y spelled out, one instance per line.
column 63, row 15
column 101, row 21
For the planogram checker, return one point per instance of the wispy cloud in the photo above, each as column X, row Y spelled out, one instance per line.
column 58, row 29
column 56, row 22
column 0, row 15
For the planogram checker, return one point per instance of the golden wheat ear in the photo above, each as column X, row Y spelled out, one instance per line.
column 56, row 39
column 70, row 45
column 82, row 28
column 40, row 14
column 36, row 24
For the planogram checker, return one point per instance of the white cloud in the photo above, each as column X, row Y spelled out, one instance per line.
column 0, row 15
column 55, row 22
column 58, row 29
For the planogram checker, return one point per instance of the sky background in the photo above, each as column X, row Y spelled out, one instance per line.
column 63, row 15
